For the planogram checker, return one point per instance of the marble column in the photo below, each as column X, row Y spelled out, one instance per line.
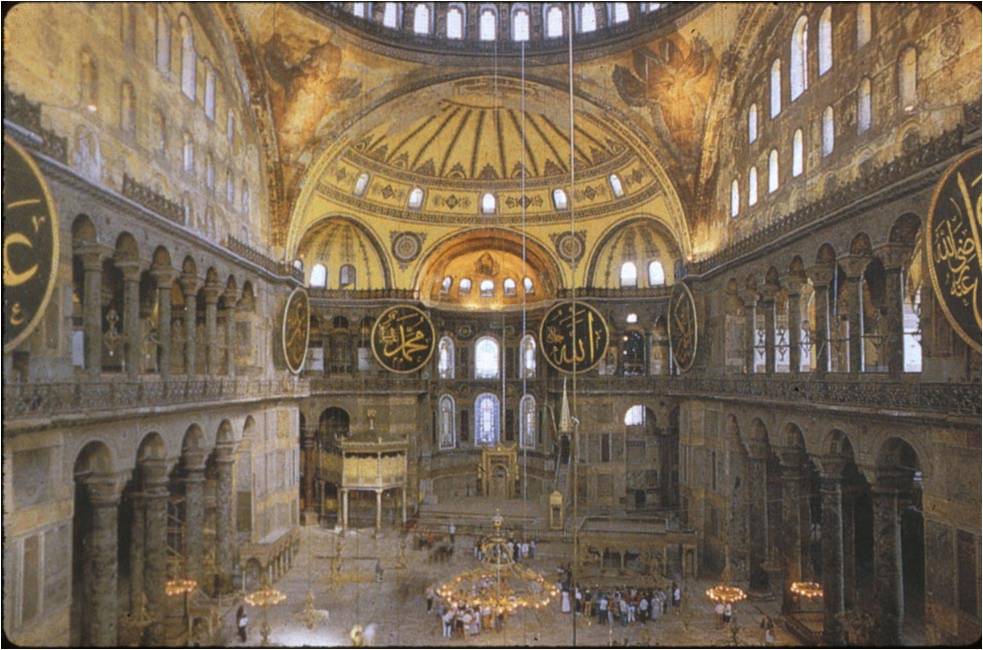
column 165, row 280
column 758, row 512
column 194, row 512
column 137, row 526
column 888, row 582
column 344, row 509
column 132, row 330
column 189, row 287
column 853, row 267
column 230, row 332
column 101, row 600
column 749, row 300
column 378, row 510
column 794, row 324
column 92, row 257
column 403, row 491
column 212, row 293
column 224, row 517
column 831, row 492
column 767, row 305
column 792, row 493
column 155, row 496
column 309, row 457
column 894, row 257
column 821, row 276
column 849, row 546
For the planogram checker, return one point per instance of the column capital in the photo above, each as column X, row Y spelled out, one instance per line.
column 758, row 449
column 213, row 291
column 231, row 295
column 791, row 458
column 820, row 274
column 193, row 462
column 225, row 453
column 888, row 481
column 189, row 283
column 92, row 255
column 831, row 467
column 794, row 284
column 153, row 475
column 894, row 256
column 130, row 269
column 104, row 489
column 748, row 298
column 164, row 277
column 853, row 265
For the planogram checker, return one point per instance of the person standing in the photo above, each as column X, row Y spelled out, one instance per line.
column 429, row 598
column 452, row 529
column 532, row 549
column 677, row 595
column 241, row 622
column 643, row 609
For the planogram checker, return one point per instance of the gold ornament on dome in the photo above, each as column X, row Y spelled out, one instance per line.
column 573, row 337
column 683, row 326
column 296, row 329
column 30, row 245
column 952, row 246
column 403, row 339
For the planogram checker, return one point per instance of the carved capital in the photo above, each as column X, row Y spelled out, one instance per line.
column 163, row 276
column 189, row 283
column 894, row 256
column 820, row 274
column 853, row 265
column 104, row 490
column 193, row 462
column 791, row 458
column 794, row 284
column 748, row 298
column 130, row 270
column 92, row 256
column 213, row 292
column 831, row 468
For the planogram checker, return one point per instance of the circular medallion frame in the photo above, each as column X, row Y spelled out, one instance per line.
column 391, row 314
column 553, row 318
column 680, row 313
column 960, row 196
column 34, row 283
column 296, row 320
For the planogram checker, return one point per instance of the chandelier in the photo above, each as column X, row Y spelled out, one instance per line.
column 180, row 586
column 808, row 590
column 265, row 597
column 499, row 583
column 724, row 592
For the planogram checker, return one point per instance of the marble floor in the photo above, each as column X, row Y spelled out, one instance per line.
column 394, row 610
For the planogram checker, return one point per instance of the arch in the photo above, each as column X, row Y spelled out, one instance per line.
column 826, row 40
column 757, row 432
column 445, row 358
column 638, row 239
column 340, row 239
column 333, row 424
column 487, row 358
column 446, row 422
column 799, row 59
column 826, row 254
column 905, row 229
column 527, row 356
column 487, row 24
column 527, row 422
column 193, row 440
column 792, row 436
column 837, row 444
column 487, row 419
column 151, row 448
column 95, row 458
column 635, row 415
column 126, row 249
column 225, row 434
column 896, row 454
column 554, row 20
column 161, row 258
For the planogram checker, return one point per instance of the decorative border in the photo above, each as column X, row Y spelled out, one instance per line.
column 55, row 229
column 433, row 331
column 956, row 326
column 283, row 330
column 696, row 325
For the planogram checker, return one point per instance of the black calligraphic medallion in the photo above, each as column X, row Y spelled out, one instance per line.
column 573, row 337
column 952, row 246
column 296, row 329
column 30, row 245
column 403, row 339
column 683, row 327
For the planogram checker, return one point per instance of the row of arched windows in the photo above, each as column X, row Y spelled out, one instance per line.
column 487, row 358
column 487, row 421
column 586, row 15
column 486, row 287
column 629, row 274
column 319, row 276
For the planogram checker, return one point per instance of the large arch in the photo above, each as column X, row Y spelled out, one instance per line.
column 335, row 240
column 640, row 240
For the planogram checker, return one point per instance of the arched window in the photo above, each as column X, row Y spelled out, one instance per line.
column 445, row 284
column 163, row 41
column 527, row 422
column 487, row 419
column 445, row 358
column 160, row 133
column 908, row 79
column 486, row 288
column 797, row 155
column 89, row 83
column 619, row 13
column 657, row 274
column 416, row 198
column 486, row 358
column 390, row 15
column 210, row 172
column 464, row 286
column 735, row 199
column 188, row 153
column 244, row 200
column 629, row 275
column 863, row 24
column 635, row 416
column 631, row 318
column 554, row 22
column 559, row 199
column 776, row 87
column 209, row 91
column 361, row 183
column 346, row 276
column 487, row 25
column 358, row 9
column 319, row 276
column 509, row 286
column 799, row 61
column 864, row 109
column 421, row 19
column 127, row 108
column 752, row 123
column 528, row 286
column 488, row 203
column 447, row 435
column 188, row 61
column 752, row 186
column 826, row 41
column 773, row 171
column 527, row 357
column 455, row 23
column 616, row 185
column 828, row 131
column 520, row 25
column 230, row 188
column 588, row 17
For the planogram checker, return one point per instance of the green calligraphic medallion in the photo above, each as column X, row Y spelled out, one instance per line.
column 30, row 245
column 573, row 337
column 403, row 339
column 296, row 329
column 683, row 326
column 952, row 246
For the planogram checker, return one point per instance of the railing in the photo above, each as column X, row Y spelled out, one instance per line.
column 616, row 292
column 153, row 201
column 38, row 400
column 21, row 111
column 377, row 383
column 363, row 294
column 249, row 253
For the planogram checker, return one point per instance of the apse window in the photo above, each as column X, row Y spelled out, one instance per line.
column 559, row 199
column 416, row 198
column 347, row 276
column 464, row 286
column 554, row 22
column 390, row 15
column 509, row 286
column 588, row 17
column 616, row 187
column 486, row 288
column 455, row 23
column 657, row 274
column 632, row 318
column 319, row 276
column 361, row 183
column 487, row 27
column 486, row 419
column 486, row 360
column 421, row 19
column 620, row 12
column 445, row 284
column 629, row 275
column 527, row 286
column 488, row 203
column 520, row 25
column 358, row 9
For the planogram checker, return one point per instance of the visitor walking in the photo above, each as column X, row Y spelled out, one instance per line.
column 452, row 529
column 241, row 622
